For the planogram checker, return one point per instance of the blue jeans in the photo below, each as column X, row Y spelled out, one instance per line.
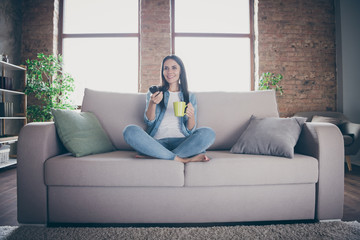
column 169, row 148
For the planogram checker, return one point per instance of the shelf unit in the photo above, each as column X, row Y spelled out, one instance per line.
column 11, row 125
column 10, row 163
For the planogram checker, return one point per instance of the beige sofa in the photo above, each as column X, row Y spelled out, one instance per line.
column 55, row 187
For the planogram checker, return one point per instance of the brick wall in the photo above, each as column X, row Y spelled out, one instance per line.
column 39, row 30
column 155, row 40
column 297, row 39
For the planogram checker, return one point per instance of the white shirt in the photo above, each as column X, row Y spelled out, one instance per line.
column 170, row 125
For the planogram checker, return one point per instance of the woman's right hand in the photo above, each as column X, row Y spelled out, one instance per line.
column 156, row 97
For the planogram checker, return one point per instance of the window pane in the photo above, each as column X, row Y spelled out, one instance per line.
column 212, row 16
column 216, row 64
column 100, row 16
column 105, row 64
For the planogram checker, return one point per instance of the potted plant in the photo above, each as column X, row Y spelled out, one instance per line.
column 48, row 86
column 269, row 81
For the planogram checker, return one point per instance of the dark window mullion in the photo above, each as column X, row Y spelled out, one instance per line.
column 215, row 35
column 172, row 6
column 98, row 35
column 252, row 47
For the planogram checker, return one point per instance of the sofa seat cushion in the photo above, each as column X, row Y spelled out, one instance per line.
column 227, row 169
column 118, row 168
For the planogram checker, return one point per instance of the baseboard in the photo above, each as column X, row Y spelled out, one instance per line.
column 331, row 220
column 32, row 225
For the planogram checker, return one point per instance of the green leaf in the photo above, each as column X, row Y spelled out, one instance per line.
column 47, row 82
column 270, row 80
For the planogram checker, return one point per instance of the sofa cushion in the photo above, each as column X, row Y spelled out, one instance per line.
column 227, row 169
column 118, row 168
column 228, row 113
column 81, row 133
column 129, row 109
column 270, row 136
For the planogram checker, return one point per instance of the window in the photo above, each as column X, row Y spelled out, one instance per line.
column 100, row 44
column 214, row 39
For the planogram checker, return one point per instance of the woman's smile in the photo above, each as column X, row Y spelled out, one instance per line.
column 170, row 76
column 171, row 71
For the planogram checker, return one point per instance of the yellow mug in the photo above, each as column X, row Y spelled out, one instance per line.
column 179, row 109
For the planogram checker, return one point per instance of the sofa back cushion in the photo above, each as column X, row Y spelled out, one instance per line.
column 115, row 111
column 227, row 113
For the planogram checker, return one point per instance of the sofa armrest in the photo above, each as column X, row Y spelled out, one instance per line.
column 37, row 142
column 325, row 142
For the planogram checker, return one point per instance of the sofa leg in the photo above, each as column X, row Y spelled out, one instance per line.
column 348, row 162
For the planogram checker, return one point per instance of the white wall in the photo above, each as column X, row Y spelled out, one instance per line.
column 348, row 61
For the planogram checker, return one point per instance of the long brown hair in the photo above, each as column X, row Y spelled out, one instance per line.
column 183, row 79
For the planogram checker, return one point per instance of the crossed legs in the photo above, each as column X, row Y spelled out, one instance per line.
column 187, row 149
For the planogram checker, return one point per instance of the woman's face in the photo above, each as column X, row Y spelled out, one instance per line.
column 171, row 71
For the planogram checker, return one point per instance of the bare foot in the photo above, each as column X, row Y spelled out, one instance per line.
column 183, row 160
column 197, row 158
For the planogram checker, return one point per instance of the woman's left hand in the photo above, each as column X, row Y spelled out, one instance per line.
column 190, row 111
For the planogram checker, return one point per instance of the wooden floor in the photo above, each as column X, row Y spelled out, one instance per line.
column 8, row 209
column 352, row 195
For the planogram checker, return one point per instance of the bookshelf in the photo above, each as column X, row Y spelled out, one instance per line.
column 12, row 107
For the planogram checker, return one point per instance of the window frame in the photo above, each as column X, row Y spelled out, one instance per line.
column 62, row 35
column 250, row 35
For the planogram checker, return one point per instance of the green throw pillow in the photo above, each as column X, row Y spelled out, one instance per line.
column 81, row 132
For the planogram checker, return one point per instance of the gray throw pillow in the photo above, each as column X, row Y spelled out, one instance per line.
column 81, row 132
column 270, row 136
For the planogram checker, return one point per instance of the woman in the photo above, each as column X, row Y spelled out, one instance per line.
column 170, row 137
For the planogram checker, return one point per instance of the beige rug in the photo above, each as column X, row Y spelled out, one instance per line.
column 326, row 230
